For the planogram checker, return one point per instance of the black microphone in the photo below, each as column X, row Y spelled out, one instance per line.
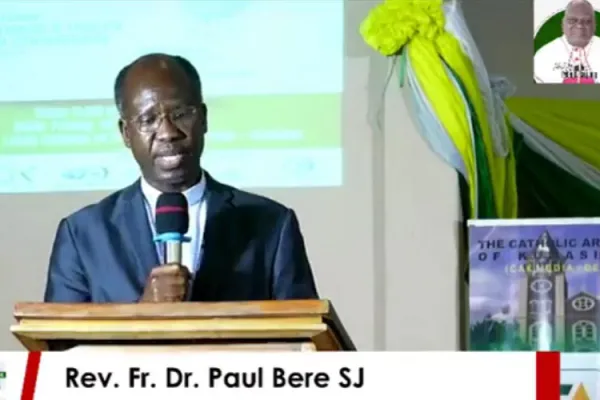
column 172, row 223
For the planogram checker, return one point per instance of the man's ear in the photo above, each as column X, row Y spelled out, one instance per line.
column 124, row 133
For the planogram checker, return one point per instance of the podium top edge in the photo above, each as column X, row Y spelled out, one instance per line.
column 185, row 310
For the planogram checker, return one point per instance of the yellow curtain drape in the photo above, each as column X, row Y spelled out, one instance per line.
column 572, row 124
column 419, row 25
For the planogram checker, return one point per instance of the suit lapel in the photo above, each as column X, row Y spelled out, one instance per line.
column 217, row 241
column 131, row 220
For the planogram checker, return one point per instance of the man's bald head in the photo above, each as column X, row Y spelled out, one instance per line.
column 579, row 23
column 157, row 63
column 579, row 3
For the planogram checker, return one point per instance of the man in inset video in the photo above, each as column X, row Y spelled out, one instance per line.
column 573, row 58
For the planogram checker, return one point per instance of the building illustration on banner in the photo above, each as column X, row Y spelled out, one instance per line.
column 535, row 287
column 549, row 313
column 566, row 44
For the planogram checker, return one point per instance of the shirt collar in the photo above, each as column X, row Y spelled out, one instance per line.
column 193, row 195
column 585, row 49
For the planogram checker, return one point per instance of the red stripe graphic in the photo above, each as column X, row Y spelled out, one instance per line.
column 547, row 375
column 170, row 209
column 31, row 375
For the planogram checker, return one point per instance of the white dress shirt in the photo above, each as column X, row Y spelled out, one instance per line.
column 191, row 251
column 558, row 56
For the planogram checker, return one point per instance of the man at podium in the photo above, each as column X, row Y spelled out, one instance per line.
column 239, row 246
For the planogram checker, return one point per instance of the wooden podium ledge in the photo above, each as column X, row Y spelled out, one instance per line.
column 316, row 321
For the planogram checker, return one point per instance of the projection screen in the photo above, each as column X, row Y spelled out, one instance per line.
column 272, row 77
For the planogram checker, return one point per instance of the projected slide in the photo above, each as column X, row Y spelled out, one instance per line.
column 272, row 76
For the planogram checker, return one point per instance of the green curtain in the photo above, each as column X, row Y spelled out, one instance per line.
column 547, row 191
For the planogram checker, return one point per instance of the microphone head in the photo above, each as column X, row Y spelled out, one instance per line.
column 172, row 214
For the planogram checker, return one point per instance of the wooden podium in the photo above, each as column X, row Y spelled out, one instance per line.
column 290, row 325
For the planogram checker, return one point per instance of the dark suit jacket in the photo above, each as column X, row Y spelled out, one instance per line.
column 252, row 250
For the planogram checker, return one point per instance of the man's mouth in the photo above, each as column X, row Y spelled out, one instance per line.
column 171, row 161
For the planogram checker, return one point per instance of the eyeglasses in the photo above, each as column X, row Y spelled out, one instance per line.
column 183, row 118
column 580, row 21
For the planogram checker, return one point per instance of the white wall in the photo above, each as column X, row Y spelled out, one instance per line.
column 384, row 246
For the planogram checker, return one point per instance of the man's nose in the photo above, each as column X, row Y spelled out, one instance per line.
column 168, row 132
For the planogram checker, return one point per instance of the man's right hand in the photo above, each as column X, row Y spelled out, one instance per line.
column 167, row 284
